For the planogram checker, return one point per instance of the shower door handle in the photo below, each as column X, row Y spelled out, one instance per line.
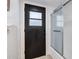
column 56, row 30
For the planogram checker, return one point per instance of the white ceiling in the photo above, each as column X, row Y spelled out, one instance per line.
column 52, row 3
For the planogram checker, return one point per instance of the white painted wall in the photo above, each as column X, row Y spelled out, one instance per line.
column 12, row 48
column 13, row 19
column 13, row 14
column 68, row 31
column 22, row 41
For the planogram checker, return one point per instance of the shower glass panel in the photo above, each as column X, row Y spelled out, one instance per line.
column 57, row 31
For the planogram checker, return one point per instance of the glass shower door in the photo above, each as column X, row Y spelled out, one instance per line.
column 57, row 31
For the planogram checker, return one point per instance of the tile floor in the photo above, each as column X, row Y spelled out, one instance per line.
column 44, row 57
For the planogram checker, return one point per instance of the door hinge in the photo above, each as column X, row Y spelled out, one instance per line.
column 24, row 52
column 24, row 30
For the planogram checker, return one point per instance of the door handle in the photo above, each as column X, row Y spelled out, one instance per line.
column 56, row 30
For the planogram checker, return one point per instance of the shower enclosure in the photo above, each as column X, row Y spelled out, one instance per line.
column 57, row 28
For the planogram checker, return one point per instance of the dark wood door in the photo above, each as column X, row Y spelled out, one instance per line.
column 35, row 45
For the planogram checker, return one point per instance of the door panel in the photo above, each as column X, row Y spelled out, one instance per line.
column 35, row 45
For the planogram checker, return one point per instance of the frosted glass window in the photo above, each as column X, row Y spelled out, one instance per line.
column 36, row 15
column 35, row 22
